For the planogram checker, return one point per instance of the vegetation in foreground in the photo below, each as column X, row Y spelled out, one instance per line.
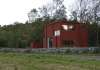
column 21, row 61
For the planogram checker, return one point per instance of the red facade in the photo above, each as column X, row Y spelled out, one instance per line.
column 36, row 44
column 65, row 34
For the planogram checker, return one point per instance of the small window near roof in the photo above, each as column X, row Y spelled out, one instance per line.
column 71, row 26
column 57, row 33
column 68, row 27
column 65, row 27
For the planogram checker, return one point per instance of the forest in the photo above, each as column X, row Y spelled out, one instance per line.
column 20, row 35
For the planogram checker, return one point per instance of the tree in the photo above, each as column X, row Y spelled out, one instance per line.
column 44, row 12
column 74, row 16
column 33, row 15
column 87, row 10
column 37, row 34
column 60, row 13
column 60, row 9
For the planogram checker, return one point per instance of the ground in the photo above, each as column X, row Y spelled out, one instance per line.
column 30, row 61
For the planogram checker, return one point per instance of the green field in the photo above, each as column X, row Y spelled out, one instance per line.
column 25, row 61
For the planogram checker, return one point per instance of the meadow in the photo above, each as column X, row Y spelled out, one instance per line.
column 37, row 61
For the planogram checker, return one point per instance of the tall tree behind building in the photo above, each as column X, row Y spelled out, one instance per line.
column 60, row 9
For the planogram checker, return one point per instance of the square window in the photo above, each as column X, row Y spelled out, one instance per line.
column 57, row 33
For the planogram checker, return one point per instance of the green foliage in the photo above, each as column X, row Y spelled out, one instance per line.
column 92, row 29
column 37, row 34
column 21, row 35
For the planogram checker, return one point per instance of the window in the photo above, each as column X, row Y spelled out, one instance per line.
column 68, row 27
column 57, row 33
column 71, row 27
column 65, row 27
column 68, row 43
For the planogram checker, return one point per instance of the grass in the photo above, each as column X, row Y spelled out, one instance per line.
column 25, row 61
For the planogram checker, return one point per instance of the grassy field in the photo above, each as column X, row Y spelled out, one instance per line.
column 25, row 61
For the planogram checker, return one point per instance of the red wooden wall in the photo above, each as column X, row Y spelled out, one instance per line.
column 79, row 35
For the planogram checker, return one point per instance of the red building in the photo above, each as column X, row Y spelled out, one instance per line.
column 36, row 44
column 65, row 34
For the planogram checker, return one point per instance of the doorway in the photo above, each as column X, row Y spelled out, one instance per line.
column 50, row 41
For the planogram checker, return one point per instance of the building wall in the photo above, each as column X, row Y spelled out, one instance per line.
column 79, row 35
column 36, row 44
column 49, row 32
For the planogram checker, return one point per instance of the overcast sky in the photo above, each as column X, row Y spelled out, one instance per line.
column 16, row 10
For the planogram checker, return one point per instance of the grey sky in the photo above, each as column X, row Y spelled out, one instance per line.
column 16, row 10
